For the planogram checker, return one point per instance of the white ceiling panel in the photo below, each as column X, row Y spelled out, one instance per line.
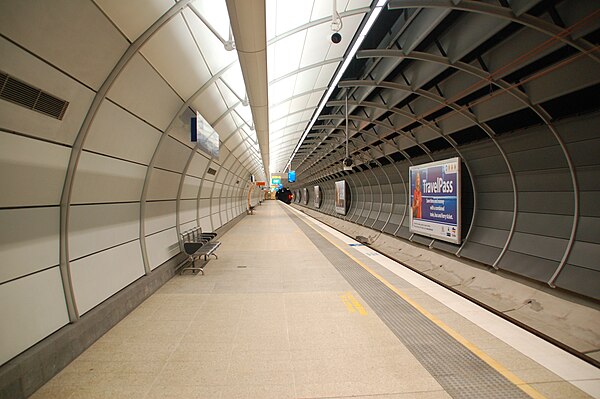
column 234, row 78
column 326, row 74
column 282, row 89
column 293, row 47
column 142, row 91
column 246, row 114
column 287, row 55
column 133, row 17
column 352, row 4
column 228, row 96
column 173, row 52
column 210, row 104
column 215, row 12
column 299, row 103
column 233, row 141
column 288, row 15
column 306, row 80
column 211, row 47
column 317, row 44
column 279, row 111
column 294, row 118
column 225, row 127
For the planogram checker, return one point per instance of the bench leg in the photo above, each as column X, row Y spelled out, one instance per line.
column 215, row 255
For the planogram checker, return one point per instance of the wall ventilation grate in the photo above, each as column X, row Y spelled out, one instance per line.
column 19, row 92
column 211, row 171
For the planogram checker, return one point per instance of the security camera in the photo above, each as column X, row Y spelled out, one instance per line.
column 336, row 38
column 348, row 163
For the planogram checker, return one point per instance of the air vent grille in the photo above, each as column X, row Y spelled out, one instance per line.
column 21, row 93
column 211, row 171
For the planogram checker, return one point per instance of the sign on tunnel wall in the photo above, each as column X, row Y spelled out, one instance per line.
column 435, row 200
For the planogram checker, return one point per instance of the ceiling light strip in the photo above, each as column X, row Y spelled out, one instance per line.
column 361, row 36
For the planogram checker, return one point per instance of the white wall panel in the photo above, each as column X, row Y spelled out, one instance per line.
column 203, row 208
column 159, row 216
column 103, row 179
column 27, row 318
column 206, row 189
column 187, row 211
column 190, row 187
column 211, row 106
column 176, row 57
column 32, row 172
column 163, row 185
column 29, row 241
column 118, row 133
column 239, row 151
column 217, row 190
column 142, row 91
column 73, row 35
column 229, row 162
column 172, row 155
column 145, row 11
column 99, row 276
column 224, row 218
column 216, row 222
column 32, row 70
column 233, row 141
column 96, row 227
column 188, row 225
column 162, row 247
column 198, row 165
column 205, row 224
column 221, row 175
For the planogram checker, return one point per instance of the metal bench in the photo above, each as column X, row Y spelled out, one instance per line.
column 197, row 244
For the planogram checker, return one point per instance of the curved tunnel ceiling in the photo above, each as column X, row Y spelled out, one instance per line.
column 435, row 74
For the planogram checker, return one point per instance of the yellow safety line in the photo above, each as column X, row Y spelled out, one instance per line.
column 357, row 305
column 348, row 304
column 454, row 334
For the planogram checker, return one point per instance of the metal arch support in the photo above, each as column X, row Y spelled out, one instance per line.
column 523, row 98
column 356, row 187
column 527, row 20
column 77, row 149
column 374, row 122
column 405, row 198
column 204, row 178
column 438, row 131
column 212, row 191
column 371, row 191
column 483, row 126
column 397, row 111
column 380, row 194
column 389, row 142
column 433, row 128
column 391, row 192
column 179, row 192
column 150, row 168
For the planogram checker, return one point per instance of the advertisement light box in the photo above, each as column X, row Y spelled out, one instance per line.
column 340, row 197
column 435, row 200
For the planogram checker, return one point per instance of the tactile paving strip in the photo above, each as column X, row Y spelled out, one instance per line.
column 461, row 373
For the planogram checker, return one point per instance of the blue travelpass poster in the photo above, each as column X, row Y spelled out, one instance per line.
column 435, row 200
